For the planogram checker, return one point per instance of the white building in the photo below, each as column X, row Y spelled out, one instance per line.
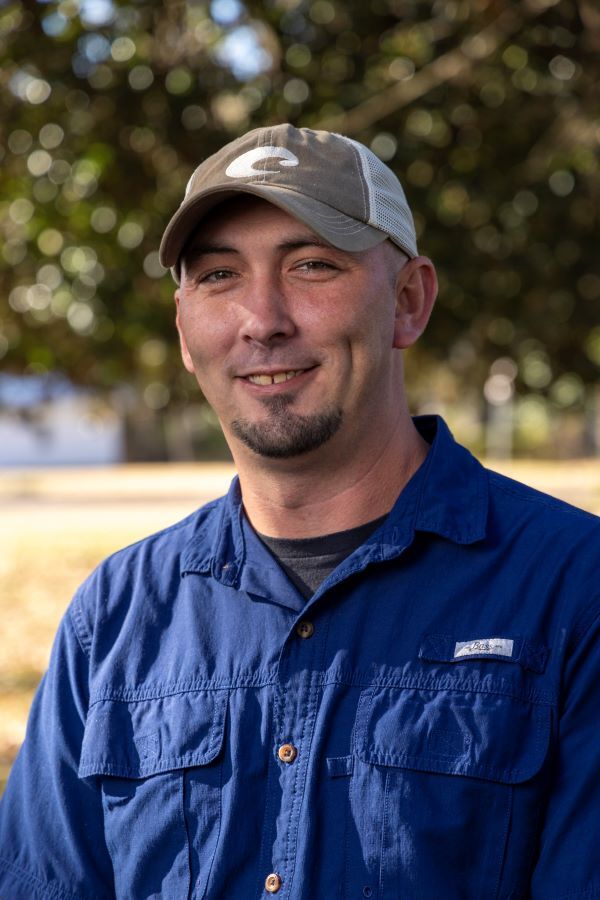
column 45, row 421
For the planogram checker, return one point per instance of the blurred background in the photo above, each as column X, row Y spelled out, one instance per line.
column 488, row 111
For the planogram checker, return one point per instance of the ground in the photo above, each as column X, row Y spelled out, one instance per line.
column 56, row 525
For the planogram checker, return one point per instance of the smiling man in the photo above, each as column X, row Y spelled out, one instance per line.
column 294, row 351
column 371, row 670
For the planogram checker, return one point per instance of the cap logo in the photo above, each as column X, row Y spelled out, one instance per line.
column 243, row 166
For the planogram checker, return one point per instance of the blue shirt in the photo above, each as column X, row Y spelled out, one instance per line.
column 427, row 725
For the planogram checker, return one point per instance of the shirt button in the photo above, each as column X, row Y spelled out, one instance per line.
column 287, row 753
column 272, row 883
column 305, row 629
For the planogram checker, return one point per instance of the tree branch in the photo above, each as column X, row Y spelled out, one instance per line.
column 447, row 67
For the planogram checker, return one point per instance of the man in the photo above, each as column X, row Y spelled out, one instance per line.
column 371, row 670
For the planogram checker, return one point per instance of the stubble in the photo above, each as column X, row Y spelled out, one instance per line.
column 285, row 433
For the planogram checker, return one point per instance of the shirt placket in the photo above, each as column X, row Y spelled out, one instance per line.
column 295, row 707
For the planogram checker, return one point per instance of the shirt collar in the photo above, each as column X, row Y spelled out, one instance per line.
column 448, row 496
column 453, row 495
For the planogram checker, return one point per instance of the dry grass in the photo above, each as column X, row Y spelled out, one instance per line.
column 55, row 526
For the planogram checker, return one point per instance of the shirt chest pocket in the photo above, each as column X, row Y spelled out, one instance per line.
column 435, row 780
column 158, row 765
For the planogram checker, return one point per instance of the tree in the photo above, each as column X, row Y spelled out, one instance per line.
column 487, row 110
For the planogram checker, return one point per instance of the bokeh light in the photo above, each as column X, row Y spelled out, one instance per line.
column 108, row 108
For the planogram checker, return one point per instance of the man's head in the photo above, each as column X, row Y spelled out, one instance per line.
column 291, row 333
column 335, row 185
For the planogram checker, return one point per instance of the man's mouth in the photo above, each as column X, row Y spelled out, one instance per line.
column 276, row 378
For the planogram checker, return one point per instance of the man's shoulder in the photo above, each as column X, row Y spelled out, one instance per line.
column 540, row 519
column 151, row 566
column 523, row 497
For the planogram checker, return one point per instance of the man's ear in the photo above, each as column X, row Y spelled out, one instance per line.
column 185, row 353
column 416, row 290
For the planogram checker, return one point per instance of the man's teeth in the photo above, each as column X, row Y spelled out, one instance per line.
column 278, row 378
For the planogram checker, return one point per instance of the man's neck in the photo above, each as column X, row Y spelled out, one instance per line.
column 331, row 494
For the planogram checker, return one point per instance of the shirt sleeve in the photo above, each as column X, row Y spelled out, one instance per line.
column 568, row 864
column 51, row 825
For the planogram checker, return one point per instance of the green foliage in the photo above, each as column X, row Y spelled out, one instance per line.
column 487, row 110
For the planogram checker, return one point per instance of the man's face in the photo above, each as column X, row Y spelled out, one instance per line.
column 290, row 339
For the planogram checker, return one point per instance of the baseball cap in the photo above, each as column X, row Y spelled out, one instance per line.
column 334, row 185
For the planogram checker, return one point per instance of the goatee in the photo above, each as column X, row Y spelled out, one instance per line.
column 285, row 433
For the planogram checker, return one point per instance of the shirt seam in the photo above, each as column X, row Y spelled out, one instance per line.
column 361, row 680
column 75, row 620
column 30, row 880
column 530, row 696
column 539, row 497
column 441, row 764
column 90, row 765
column 592, row 890
column 157, row 693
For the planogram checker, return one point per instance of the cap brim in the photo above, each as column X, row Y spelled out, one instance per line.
column 337, row 229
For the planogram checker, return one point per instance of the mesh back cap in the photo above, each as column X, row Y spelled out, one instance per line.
column 336, row 186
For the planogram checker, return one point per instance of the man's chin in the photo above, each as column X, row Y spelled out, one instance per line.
column 285, row 434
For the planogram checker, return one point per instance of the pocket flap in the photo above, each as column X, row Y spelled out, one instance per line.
column 483, row 735
column 519, row 650
column 134, row 739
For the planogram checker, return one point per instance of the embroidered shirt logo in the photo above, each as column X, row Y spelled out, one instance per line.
column 243, row 166
column 482, row 646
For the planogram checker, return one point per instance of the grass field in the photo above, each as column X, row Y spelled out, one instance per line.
column 56, row 525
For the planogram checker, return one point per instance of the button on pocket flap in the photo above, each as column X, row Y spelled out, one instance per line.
column 134, row 739
column 482, row 735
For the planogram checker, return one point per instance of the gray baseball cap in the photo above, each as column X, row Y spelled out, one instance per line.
column 334, row 185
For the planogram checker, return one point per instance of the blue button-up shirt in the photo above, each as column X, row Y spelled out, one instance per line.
column 440, row 692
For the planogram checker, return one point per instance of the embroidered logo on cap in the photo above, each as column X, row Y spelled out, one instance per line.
column 243, row 166
column 484, row 646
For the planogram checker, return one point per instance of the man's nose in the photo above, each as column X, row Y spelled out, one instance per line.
column 267, row 317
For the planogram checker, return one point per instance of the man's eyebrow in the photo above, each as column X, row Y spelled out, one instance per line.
column 207, row 248
column 299, row 242
column 195, row 251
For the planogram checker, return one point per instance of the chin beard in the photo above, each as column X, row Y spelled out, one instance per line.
column 285, row 434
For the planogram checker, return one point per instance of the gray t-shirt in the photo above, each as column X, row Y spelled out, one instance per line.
column 308, row 561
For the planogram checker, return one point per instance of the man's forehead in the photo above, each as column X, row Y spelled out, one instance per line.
column 234, row 216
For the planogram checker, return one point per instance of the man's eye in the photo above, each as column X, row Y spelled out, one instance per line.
column 315, row 265
column 215, row 276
